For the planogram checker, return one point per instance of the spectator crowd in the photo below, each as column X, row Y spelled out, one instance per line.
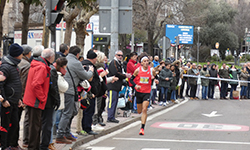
column 53, row 88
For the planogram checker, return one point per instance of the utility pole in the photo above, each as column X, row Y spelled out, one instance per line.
column 133, row 41
column 198, row 45
column 164, row 48
column 114, row 27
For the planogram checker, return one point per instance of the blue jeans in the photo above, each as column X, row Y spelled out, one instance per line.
column 164, row 91
column 153, row 94
column 243, row 91
column 210, row 91
column 233, row 88
column 58, row 117
column 173, row 95
column 204, row 92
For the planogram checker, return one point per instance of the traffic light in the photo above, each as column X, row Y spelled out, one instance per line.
column 177, row 40
column 53, row 12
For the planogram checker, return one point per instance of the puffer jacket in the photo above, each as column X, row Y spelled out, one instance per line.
column 173, row 83
column 244, row 76
column 234, row 73
column 11, row 88
column 37, row 86
column 165, row 73
column 62, row 87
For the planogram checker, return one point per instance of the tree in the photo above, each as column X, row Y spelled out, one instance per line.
column 217, row 27
column 81, row 24
column 2, row 5
column 152, row 15
column 84, row 9
column 241, row 21
column 26, row 13
column 215, row 19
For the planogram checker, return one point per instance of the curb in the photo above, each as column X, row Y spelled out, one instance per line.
column 86, row 139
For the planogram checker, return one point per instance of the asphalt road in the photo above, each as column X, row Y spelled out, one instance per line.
column 191, row 125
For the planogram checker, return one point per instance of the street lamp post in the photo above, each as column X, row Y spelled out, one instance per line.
column 198, row 44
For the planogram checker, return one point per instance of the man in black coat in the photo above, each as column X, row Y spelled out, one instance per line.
column 95, row 86
column 52, row 104
column 11, row 90
column 115, row 69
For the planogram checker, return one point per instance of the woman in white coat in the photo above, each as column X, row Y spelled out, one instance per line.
column 60, row 65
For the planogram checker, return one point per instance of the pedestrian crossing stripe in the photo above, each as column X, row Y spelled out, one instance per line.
column 155, row 149
column 100, row 148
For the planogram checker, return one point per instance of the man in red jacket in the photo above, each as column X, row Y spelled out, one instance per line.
column 131, row 67
column 36, row 93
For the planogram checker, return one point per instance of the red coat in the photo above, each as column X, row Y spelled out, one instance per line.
column 37, row 86
column 131, row 67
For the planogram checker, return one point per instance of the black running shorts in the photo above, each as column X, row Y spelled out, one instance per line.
column 141, row 97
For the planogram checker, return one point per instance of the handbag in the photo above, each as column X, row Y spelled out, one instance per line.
column 236, row 94
column 76, row 93
column 121, row 102
column 199, row 80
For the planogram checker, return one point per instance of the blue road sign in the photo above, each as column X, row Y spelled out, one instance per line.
column 185, row 33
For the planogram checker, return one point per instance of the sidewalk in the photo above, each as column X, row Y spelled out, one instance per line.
column 110, row 127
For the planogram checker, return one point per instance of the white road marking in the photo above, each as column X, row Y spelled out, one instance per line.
column 93, row 142
column 212, row 114
column 100, row 148
column 184, row 141
column 155, row 149
column 207, row 149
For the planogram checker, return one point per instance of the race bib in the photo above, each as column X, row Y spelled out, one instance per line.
column 144, row 80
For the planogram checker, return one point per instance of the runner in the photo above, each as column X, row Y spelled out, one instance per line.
column 143, row 77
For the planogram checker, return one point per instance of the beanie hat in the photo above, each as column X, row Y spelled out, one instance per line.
column 15, row 50
column 91, row 54
column 26, row 49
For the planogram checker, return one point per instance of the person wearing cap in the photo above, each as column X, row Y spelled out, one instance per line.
column 24, row 67
column 11, row 90
column 75, row 73
column 95, row 89
column 156, row 61
column 36, row 52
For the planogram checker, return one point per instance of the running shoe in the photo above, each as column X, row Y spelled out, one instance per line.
column 141, row 131
column 73, row 136
column 160, row 103
column 165, row 104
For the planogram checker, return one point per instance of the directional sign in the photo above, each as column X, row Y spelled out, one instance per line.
column 185, row 33
column 200, row 126
column 212, row 114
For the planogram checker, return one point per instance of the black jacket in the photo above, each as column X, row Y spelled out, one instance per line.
column 213, row 73
column 95, row 83
column 53, row 95
column 11, row 88
column 115, row 69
